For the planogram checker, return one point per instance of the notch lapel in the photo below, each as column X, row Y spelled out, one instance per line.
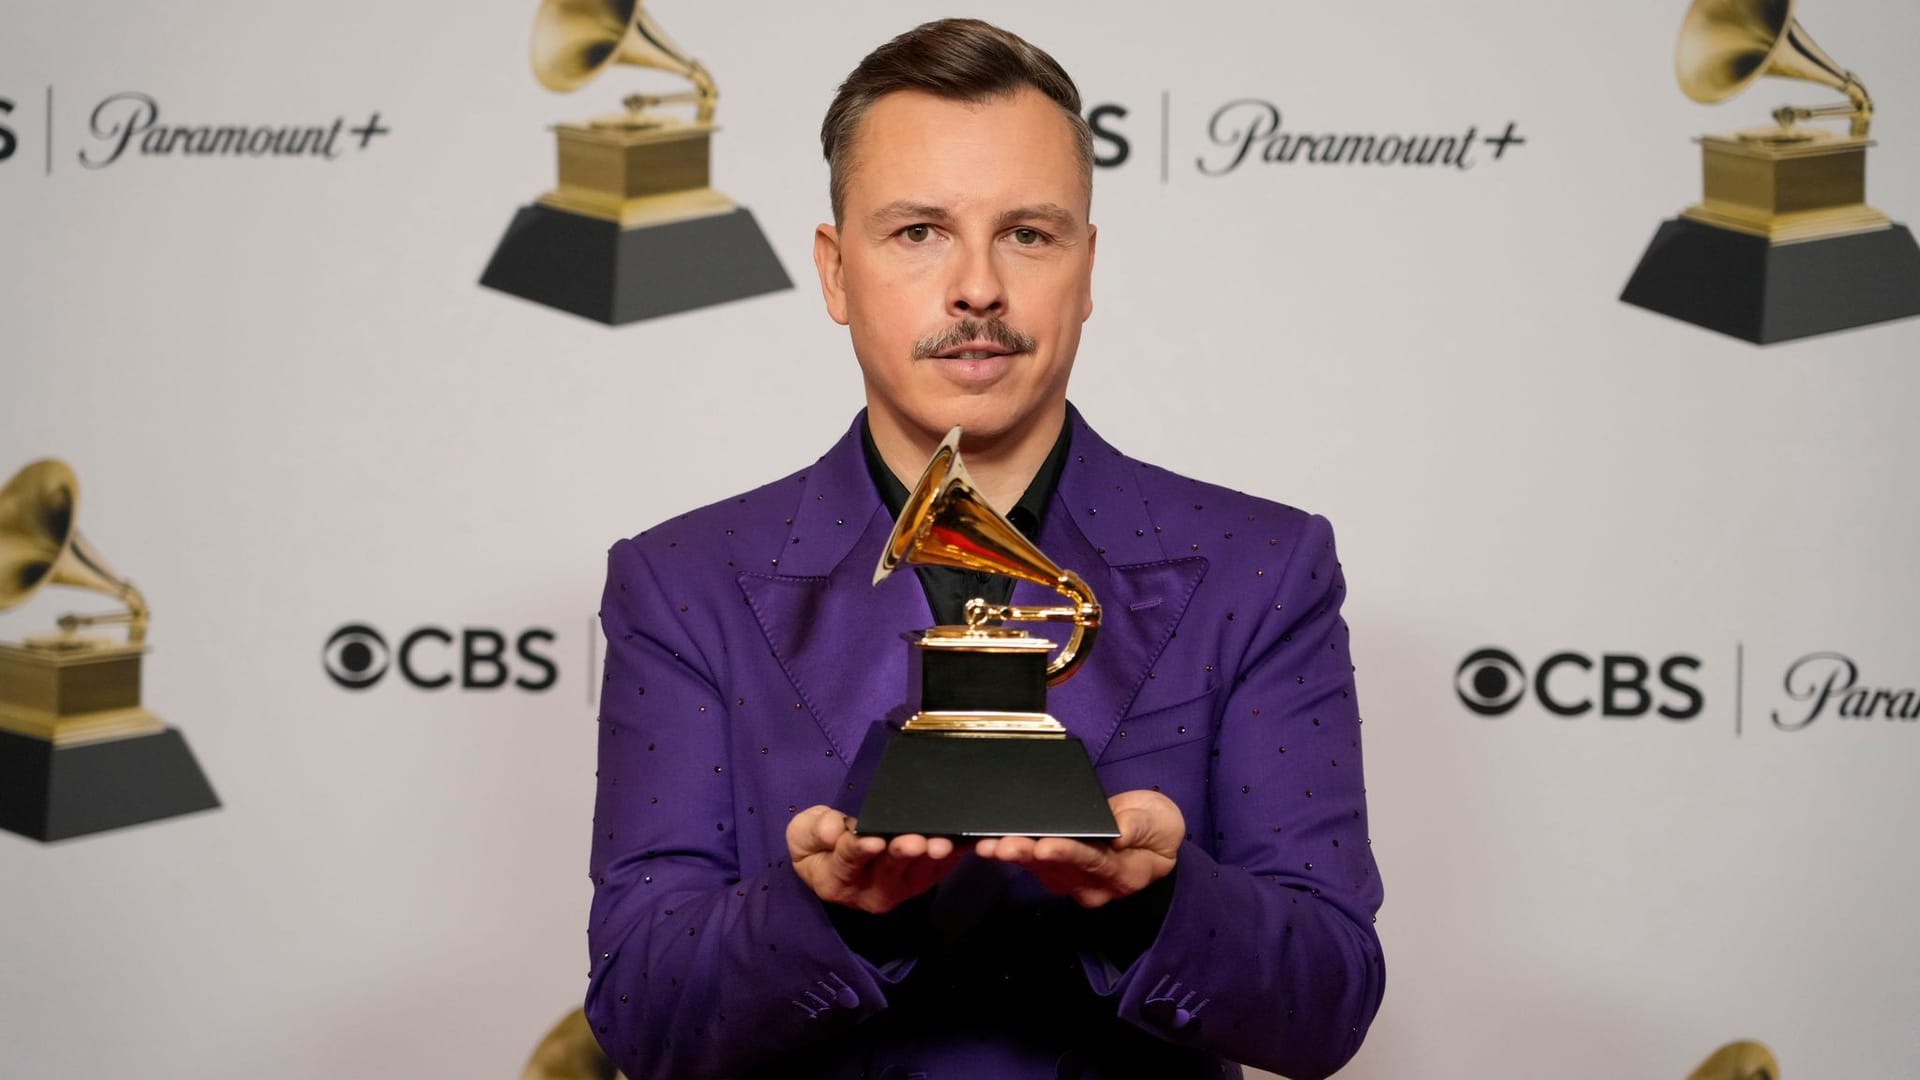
column 836, row 635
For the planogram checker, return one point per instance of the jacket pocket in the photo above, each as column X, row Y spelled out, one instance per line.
column 1163, row 727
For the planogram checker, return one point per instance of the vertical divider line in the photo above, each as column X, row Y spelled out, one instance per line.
column 1165, row 98
column 1739, row 684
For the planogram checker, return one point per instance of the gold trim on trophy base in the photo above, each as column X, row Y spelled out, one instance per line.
column 63, row 676
column 985, row 725
column 76, row 730
column 636, row 175
column 982, row 639
column 1787, row 185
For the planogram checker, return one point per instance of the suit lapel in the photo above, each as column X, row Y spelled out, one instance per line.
column 1098, row 526
column 837, row 636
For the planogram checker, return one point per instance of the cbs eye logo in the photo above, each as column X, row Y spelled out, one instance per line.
column 1492, row 682
column 431, row 658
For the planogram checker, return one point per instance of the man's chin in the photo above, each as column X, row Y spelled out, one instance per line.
column 985, row 419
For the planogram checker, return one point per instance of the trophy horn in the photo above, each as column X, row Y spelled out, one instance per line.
column 573, row 40
column 946, row 522
column 1726, row 44
column 40, row 545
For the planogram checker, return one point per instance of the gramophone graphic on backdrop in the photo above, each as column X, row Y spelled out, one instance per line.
column 632, row 231
column 1783, row 244
column 78, row 753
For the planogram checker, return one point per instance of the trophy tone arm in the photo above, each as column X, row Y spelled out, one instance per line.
column 1859, row 109
column 703, row 96
column 1084, row 615
column 135, row 617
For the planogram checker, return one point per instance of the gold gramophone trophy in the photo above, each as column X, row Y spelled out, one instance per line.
column 78, row 753
column 1783, row 244
column 633, row 230
column 980, row 756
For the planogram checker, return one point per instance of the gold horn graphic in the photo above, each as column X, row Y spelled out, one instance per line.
column 574, row 40
column 1726, row 44
column 39, row 544
column 1742, row 1060
column 946, row 522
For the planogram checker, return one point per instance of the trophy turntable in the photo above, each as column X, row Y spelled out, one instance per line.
column 1783, row 244
column 78, row 753
column 632, row 230
column 980, row 756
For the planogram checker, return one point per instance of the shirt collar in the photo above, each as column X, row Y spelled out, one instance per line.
column 1027, row 515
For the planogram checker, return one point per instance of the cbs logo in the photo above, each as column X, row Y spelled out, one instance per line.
column 1492, row 682
column 432, row 658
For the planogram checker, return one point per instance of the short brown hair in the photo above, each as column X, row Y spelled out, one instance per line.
column 958, row 59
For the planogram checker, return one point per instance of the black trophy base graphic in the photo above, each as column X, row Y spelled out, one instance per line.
column 596, row 269
column 1743, row 286
column 50, row 792
column 945, row 785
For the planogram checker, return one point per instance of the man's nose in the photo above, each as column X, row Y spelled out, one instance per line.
column 977, row 287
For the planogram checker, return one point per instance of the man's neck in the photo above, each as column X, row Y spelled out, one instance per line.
column 1001, row 469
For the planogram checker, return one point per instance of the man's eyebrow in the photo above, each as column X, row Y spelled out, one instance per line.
column 1059, row 217
column 903, row 210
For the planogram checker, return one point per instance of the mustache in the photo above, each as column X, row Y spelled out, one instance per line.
column 970, row 330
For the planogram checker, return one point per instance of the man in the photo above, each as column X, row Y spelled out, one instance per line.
column 740, row 926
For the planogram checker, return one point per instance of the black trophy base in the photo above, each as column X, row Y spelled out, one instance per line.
column 945, row 785
column 1743, row 286
column 596, row 269
column 50, row 792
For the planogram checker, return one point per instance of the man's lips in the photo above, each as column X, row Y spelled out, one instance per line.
column 973, row 350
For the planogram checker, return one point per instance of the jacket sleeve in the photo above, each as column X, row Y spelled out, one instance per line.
column 699, row 967
column 1267, row 954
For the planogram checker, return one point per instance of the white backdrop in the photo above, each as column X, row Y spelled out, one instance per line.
column 291, row 407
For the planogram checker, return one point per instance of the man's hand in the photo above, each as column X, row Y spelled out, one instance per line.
column 1151, row 829
column 863, row 872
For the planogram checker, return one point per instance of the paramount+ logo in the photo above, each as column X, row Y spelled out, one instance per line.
column 358, row 657
column 1569, row 684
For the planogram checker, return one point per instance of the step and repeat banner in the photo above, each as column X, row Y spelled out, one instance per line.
column 1633, row 582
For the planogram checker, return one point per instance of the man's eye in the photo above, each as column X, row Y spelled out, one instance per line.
column 1027, row 237
column 917, row 233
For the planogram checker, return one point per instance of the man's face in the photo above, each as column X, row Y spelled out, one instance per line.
column 963, row 262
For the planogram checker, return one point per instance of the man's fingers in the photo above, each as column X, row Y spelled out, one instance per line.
column 808, row 833
column 1147, row 819
column 1060, row 850
column 828, row 826
column 1013, row 849
column 851, row 853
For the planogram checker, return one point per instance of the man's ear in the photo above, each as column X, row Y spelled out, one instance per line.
column 826, row 259
column 1093, row 236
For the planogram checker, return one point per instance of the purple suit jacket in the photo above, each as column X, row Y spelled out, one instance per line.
column 749, row 657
